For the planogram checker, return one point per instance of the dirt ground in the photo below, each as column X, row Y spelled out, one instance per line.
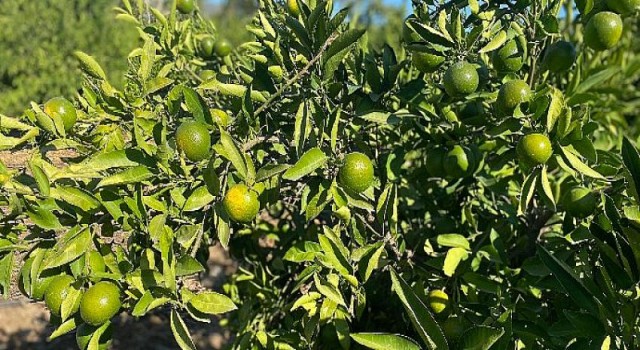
column 24, row 325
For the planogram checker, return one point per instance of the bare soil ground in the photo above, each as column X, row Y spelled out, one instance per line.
column 25, row 325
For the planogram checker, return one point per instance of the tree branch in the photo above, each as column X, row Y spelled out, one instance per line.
column 298, row 76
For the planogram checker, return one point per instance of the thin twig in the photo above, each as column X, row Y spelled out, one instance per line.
column 298, row 76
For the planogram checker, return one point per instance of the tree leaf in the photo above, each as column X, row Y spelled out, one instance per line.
column 421, row 318
column 233, row 153
column 452, row 260
column 495, row 43
column 308, row 163
column 527, row 191
column 631, row 159
column 571, row 283
column 199, row 198
column 128, row 176
column 90, row 66
column 453, row 240
column 76, row 197
column 270, row 170
column 180, row 332
column 385, row 341
column 67, row 251
column 212, row 303
column 480, row 338
column 339, row 49
column 579, row 165
column 555, row 108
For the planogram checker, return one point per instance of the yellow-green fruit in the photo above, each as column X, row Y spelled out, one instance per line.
column 559, row 57
column 207, row 75
column 458, row 162
column 63, row 108
column 512, row 94
column 206, row 46
column 438, row 301
column 293, row 8
column 427, row 62
column 193, row 139
column 461, row 79
column 96, row 262
column 100, row 303
column 241, row 203
column 580, row 202
column 603, row 31
column 223, row 48
column 435, row 162
column 508, row 58
column 57, row 292
column 356, row 172
column 85, row 332
column 534, row 149
column 185, row 6
column 624, row 7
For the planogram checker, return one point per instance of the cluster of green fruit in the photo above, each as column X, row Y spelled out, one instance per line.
column 95, row 306
column 241, row 203
column 208, row 47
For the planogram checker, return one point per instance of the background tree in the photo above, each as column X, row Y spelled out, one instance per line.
column 38, row 39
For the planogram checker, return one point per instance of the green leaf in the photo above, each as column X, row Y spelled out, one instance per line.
column 328, row 291
column 77, row 197
column 115, row 159
column 527, row 191
column 596, row 79
column 421, row 318
column 90, row 66
column 70, row 301
column 495, row 43
column 44, row 218
column 42, row 181
column 480, row 338
column 66, row 327
column 555, row 108
column 147, row 58
column 270, row 170
column 212, row 303
column 194, row 103
column 129, row 176
column 338, row 50
column 180, row 331
column 199, row 198
column 6, row 269
column 308, row 163
column 631, row 160
column 452, row 260
column 233, row 153
column 453, row 240
column 94, row 343
column 188, row 266
column 569, row 281
column 68, row 250
column 580, row 166
column 385, row 341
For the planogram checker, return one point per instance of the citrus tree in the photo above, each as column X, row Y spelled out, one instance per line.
column 474, row 189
